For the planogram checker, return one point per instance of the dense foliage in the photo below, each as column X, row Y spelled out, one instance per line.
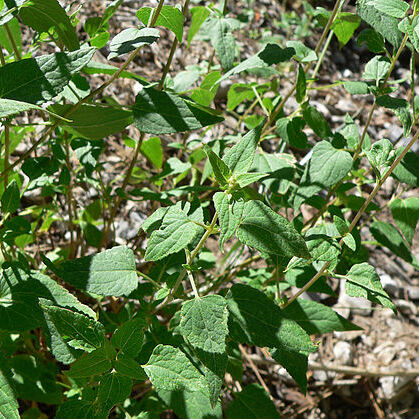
column 90, row 326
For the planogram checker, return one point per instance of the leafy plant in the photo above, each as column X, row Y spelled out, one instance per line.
column 91, row 325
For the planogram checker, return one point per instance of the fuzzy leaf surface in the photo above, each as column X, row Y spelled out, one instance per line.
column 157, row 112
column 42, row 78
column 111, row 272
column 363, row 281
column 204, row 323
column 129, row 336
column 169, row 369
column 239, row 158
column 271, row 54
column 328, row 165
column 130, row 39
column 19, row 293
column 10, row 200
column 257, row 320
column 252, row 402
column 80, row 331
column 268, row 232
column 230, row 212
column 176, row 232
column 170, row 17
column 43, row 15
column 406, row 214
column 316, row 318
column 95, row 122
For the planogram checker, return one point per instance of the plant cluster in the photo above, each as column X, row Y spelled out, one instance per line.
column 91, row 327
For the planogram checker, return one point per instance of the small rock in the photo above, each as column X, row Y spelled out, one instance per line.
column 349, row 335
column 406, row 307
column 386, row 355
column 346, row 304
column 320, row 375
column 343, row 353
column 413, row 293
column 390, row 284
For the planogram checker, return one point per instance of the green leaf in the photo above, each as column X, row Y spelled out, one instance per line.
column 14, row 28
column 157, row 112
column 8, row 403
column 257, row 320
column 221, row 171
column 79, row 331
column 223, row 42
column 401, row 108
column 239, row 158
column 35, row 379
column 239, row 92
column 393, row 8
column 199, row 15
column 19, row 293
column 190, row 404
column 271, row 54
column 12, row 107
column 356, row 87
column 129, row 367
column 252, row 403
column 381, row 154
column 300, row 93
column 363, row 281
column 291, row 131
column 299, row 276
column 295, row 363
column 328, row 165
column 151, row 148
column 407, row 170
column 383, row 24
column 114, row 388
column 128, row 338
column 81, row 409
column 43, row 15
column 10, row 200
column 316, row 318
column 229, row 212
column 169, row 369
column 215, row 365
column 246, row 179
column 204, row 323
column 111, row 272
column 130, row 39
column 377, row 68
column 388, row 236
column 170, row 17
column 316, row 121
column 372, row 39
column 176, row 232
column 90, row 364
column 42, row 78
column 406, row 214
column 268, row 232
column 94, row 122
column 302, row 54
column 345, row 25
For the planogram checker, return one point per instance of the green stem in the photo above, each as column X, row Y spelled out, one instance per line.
column 172, row 50
column 12, row 42
column 182, row 274
column 374, row 106
column 275, row 113
column 357, row 217
column 6, row 155
column 69, row 196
